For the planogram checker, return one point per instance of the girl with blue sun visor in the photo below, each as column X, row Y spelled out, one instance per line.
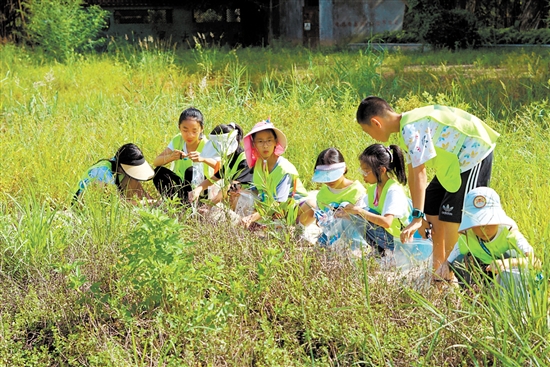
column 336, row 191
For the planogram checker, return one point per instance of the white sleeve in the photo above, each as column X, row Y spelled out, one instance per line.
column 523, row 245
column 362, row 202
column 418, row 137
column 396, row 202
column 171, row 146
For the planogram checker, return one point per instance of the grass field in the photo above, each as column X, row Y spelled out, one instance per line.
column 111, row 285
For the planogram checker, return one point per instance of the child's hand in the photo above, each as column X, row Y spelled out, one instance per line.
column 444, row 272
column 247, row 221
column 497, row 266
column 178, row 154
column 194, row 194
column 195, row 157
column 345, row 211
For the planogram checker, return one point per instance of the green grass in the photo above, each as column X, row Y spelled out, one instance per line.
column 108, row 284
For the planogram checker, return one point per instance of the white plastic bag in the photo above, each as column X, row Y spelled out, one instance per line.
column 245, row 203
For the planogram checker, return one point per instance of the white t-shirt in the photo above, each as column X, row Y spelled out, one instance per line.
column 418, row 137
column 396, row 203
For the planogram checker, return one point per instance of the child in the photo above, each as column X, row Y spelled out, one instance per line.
column 388, row 207
column 337, row 189
column 275, row 178
column 225, row 140
column 458, row 145
column 488, row 238
column 125, row 170
column 188, row 167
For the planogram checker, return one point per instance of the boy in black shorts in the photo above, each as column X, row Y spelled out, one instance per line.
column 456, row 144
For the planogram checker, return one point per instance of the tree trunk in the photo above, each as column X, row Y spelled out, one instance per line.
column 531, row 15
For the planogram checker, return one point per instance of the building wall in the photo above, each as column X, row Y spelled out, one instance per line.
column 290, row 22
column 326, row 21
column 357, row 19
column 179, row 30
column 342, row 20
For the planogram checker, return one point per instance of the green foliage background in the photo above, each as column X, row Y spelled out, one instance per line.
column 107, row 284
column 62, row 28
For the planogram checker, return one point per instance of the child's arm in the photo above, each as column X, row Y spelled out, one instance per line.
column 513, row 262
column 248, row 220
column 194, row 194
column 196, row 157
column 167, row 156
column 417, row 185
column 383, row 221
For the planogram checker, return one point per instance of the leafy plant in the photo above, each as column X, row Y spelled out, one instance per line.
column 63, row 28
column 153, row 260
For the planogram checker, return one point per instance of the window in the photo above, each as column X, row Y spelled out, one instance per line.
column 143, row 16
column 216, row 16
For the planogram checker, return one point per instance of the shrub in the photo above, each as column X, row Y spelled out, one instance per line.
column 513, row 36
column 453, row 29
column 401, row 36
column 64, row 27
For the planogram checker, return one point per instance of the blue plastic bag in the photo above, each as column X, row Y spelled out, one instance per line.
column 340, row 231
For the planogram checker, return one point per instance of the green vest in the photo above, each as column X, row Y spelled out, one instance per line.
column 445, row 163
column 266, row 183
column 350, row 194
column 396, row 225
column 504, row 241
column 180, row 165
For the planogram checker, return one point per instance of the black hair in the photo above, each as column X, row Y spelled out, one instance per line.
column 225, row 129
column 370, row 107
column 377, row 156
column 129, row 154
column 272, row 132
column 330, row 156
column 192, row 113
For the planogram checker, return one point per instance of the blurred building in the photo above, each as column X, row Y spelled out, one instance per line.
column 252, row 22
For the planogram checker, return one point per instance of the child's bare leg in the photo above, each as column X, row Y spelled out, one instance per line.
column 438, row 239
column 306, row 212
column 444, row 237
column 451, row 237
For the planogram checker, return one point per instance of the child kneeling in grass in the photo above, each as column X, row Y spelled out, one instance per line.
column 489, row 241
column 127, row 169
column 225, row 146
column 388, row 208
column 276, row 182
column 336, row 192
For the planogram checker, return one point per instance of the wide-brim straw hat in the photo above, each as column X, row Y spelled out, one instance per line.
column 250, row 151
column 139, row 170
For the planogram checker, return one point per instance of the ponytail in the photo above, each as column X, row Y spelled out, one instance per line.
column 397, row 166
column 377, row 156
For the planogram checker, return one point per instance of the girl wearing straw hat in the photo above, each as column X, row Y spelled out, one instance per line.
column 275, row 179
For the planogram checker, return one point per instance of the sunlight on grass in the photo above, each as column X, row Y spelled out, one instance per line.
column 109, row 284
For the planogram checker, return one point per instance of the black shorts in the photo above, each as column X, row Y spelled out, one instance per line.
column 448, row 206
